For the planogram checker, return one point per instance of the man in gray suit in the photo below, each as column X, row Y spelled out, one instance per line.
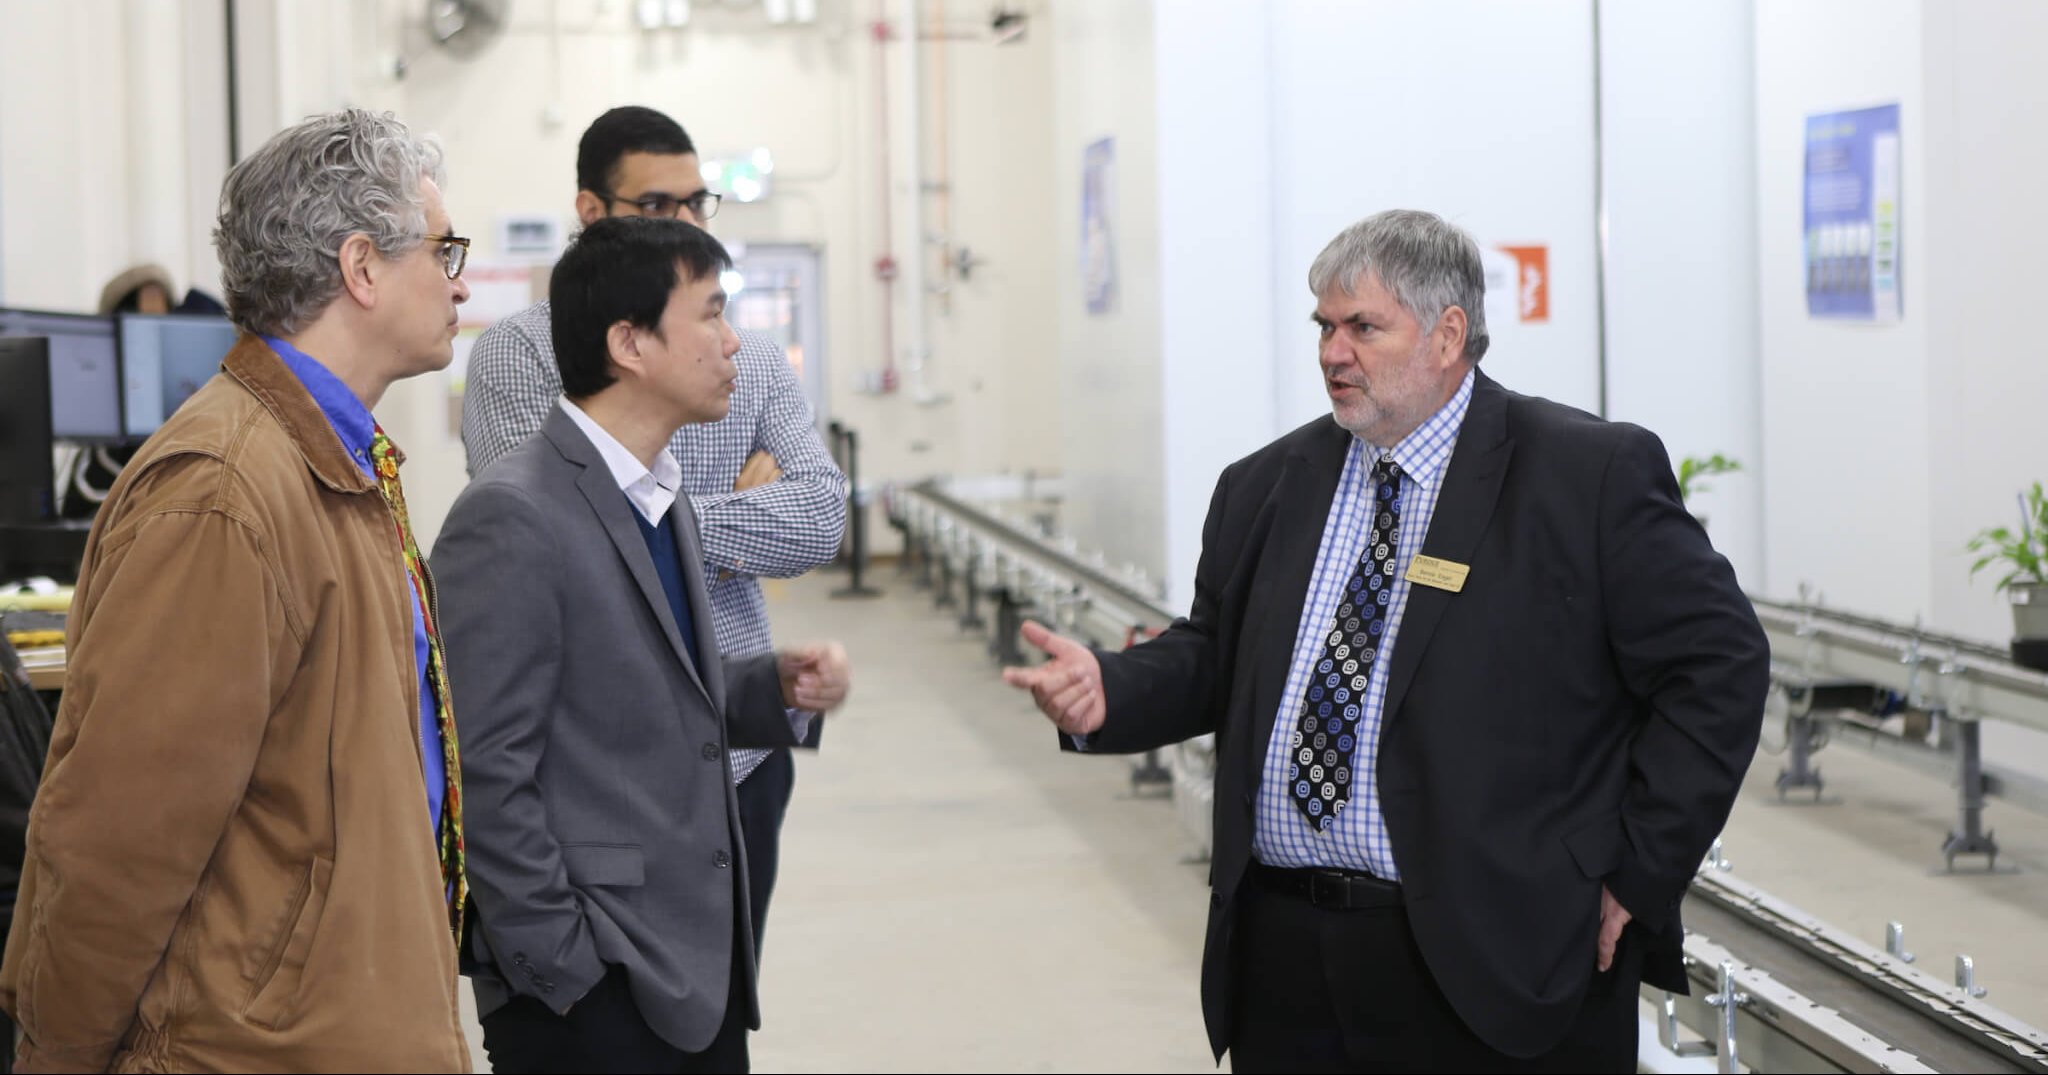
column 604, row 843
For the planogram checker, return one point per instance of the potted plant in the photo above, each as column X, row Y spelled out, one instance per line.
column 1693, row 468
column 2023, row 553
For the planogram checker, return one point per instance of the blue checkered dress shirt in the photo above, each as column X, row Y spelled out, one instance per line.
column 1358, row 838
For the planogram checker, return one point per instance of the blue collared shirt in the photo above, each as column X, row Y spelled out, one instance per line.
column 1357, row 840
column 353, row 423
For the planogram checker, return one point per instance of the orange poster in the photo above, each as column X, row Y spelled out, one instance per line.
column 1532, row 281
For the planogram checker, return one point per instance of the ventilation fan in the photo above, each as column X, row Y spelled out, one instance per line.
column 465, row 27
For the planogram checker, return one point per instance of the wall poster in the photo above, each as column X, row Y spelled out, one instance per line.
column 1852, row 215
column 1098, row 245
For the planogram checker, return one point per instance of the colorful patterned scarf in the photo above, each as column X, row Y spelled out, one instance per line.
column 449, row 824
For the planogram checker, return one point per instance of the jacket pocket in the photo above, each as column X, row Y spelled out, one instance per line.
column 273, row 1003
column 26, row 988
column 1596, row 846
column 599, row 865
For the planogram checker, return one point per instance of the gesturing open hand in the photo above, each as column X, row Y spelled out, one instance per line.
column 1068, row 688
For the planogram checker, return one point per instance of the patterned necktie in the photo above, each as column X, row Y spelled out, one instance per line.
column 449, row 825
column 1327, row 731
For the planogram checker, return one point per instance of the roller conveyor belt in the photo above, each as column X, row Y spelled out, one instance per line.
column 1910, row 1019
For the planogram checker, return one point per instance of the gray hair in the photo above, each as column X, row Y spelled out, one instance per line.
column 286, row 209
column 1428, row 263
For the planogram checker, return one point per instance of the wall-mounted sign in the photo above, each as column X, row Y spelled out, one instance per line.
column 1098, row 239
column 1852, row 215
column 1531, row 282
column 530, row 235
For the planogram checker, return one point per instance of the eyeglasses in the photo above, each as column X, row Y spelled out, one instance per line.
column 703, row 205
column 454, row 253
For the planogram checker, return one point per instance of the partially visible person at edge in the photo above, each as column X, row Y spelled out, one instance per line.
column 246, row 853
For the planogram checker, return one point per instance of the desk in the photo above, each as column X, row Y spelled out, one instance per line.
column 45, row 666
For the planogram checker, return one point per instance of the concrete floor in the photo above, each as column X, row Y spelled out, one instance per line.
column 956, row 895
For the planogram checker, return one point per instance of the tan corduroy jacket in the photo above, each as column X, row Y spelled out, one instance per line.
column 230, row 864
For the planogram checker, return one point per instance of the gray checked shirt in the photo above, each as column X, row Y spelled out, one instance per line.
column 778, row 530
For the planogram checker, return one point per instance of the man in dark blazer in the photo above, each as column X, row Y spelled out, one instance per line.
column 1482, row 691
column 604, row 839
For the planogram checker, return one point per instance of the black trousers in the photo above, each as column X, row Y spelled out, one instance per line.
column 1320, row 990
column 764, row 801
column 604, row 1032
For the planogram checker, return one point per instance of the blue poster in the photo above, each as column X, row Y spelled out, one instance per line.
column 1098, row 246
column 1852, row 215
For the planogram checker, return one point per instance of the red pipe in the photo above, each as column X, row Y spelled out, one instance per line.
column 885, row 265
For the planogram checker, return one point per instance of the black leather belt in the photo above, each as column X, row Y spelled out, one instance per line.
column 1336, row 890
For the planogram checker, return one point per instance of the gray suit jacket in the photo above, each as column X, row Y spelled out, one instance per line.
column 598, row 806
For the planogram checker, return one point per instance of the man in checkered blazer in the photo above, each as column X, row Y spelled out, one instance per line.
column 767, row 496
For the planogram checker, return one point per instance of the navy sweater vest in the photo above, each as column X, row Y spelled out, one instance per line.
column 668, row 563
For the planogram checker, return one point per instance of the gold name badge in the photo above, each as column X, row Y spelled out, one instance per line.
column 1439, row 574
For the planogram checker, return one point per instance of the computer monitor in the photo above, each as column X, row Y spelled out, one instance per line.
column 164, row 359
column 27, row 474
column 85, row 375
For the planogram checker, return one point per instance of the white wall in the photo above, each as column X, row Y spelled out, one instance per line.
column 112, row 145
column 64, row 223
column 1278, row 124
column 1886, row 447
column 1111, row 404
column 1987, row 380
column 994, row 335
column 1679, row 147
column 1216, row 311
column 205, row 145
column 1847, row 443
column 1871, row 453
column 1477, row 110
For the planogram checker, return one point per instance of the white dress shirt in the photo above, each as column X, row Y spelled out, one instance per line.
column 653, row 492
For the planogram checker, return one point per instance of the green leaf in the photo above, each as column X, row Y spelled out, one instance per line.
column 1692, row 468
column 2024, row 550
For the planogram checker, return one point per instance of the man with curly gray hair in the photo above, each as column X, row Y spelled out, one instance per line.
column 246, row 853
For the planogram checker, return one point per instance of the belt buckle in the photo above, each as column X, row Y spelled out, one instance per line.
column 1327, row 888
